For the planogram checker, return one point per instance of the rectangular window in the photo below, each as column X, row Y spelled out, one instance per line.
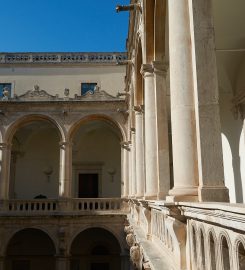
column 85, row 87
column 3, row 86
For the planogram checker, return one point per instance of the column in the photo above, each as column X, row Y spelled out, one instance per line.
column 125, row 171
column 151, row 160
column 133, row 174
column 160, row 71
column 65, row 169
column 182, row 104
column 210, row 160
column 62, row 263
column 139, row 144
column 5, row 159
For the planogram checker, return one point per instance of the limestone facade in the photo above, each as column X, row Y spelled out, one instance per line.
column 159, row 140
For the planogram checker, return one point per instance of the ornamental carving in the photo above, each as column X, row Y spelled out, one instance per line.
column 136, row 255
column 130, row 239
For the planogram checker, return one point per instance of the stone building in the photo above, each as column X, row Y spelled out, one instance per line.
column 106, row 155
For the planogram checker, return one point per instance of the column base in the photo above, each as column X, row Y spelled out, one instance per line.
column 183, row 194
column 213, row 194
column 150, row 197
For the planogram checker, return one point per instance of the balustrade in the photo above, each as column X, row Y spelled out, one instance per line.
column 48, row 206
column 62, row 58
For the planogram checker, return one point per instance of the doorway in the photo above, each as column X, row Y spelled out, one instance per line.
column 88, row 184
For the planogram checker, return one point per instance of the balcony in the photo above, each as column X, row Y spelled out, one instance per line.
column 100, row 206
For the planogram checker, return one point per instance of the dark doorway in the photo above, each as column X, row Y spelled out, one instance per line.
column 88, row 185
column 21, row 265
column 100, row 266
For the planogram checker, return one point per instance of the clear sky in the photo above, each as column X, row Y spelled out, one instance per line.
column 62, row 25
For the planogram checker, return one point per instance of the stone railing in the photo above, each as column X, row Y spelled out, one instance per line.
column 75, row 206
column 216, row 236
column 193, row 236
column 35, row 58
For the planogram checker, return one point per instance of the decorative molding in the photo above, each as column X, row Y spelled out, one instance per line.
column 146, row 70
column 160, row 68
column 61, row 58
column 139, row 108
column 35, row 95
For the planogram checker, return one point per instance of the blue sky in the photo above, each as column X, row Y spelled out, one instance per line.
column 62, row 25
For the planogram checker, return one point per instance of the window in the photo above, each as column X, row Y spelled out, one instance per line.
column 2, row 86
column 87, row 87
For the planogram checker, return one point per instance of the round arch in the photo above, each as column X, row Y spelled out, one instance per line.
column 13, row 233
column 102, row 249
column 103, row 227
column 97, row 117
column 20, row 122
column 27, row 246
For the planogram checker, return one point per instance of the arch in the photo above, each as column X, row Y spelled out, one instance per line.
column 225, row 248
column 55, row 241
column 20, row 122
column 25, row 248
column 239, row 248
column 106, row 245
column 103, row 227
column 97, row 117
column 34, row 138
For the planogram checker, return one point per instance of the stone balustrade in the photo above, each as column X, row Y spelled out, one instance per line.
column 216, row 236
column 42, row 58
column 188, row 235
column 52, row 206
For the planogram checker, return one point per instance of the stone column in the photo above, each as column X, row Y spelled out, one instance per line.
column 65, row 169
column 5, row 159
column 139, row 144
column 160, row 71
column 129, row 169
column 125, row 171
column 62, row 263
column 133, row 174
column 182, row 103
column 151, row 160
column 210, row 160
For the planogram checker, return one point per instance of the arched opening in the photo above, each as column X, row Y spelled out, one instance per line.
column 30, row 249
column 35, row 161
column 212, row 251
column 241, row 256
column 101, row 251
column 96, row 160
column 225, row 254
column 203, row 260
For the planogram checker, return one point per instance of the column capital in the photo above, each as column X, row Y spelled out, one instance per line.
column 147, row 70
column 126, row 145
column 160, row 67
column 64, row 144
column 5, row 146
column 139, row 109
